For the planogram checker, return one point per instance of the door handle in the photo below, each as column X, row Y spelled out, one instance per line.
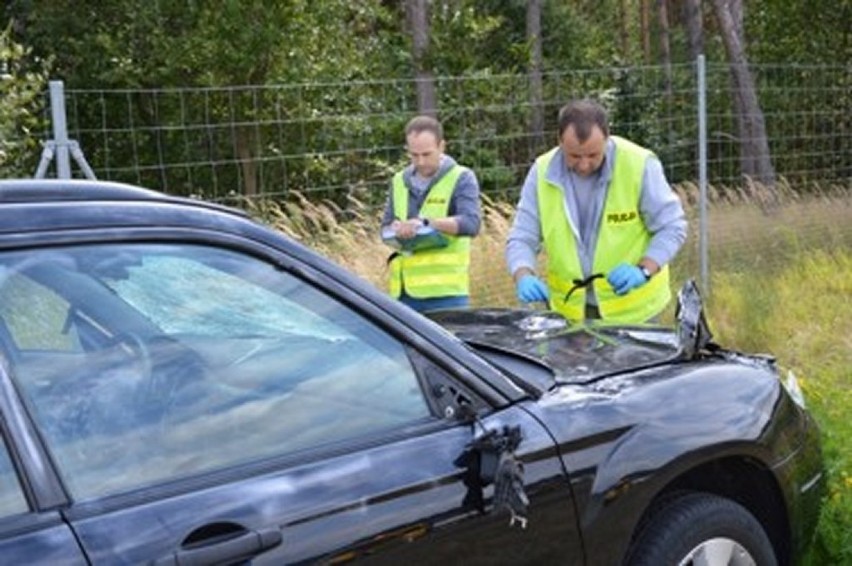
column 230, row 549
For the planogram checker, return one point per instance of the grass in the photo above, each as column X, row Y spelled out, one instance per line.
column 802, row 316
column 781, row 282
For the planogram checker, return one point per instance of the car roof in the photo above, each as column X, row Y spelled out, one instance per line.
column 53, row 190
column 45, row 190
column 19, row 197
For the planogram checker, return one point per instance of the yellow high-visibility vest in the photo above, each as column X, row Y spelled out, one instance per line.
column 436, row 272
column 622, row 237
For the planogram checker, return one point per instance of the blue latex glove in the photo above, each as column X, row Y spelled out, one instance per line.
column 531, row 289
column 626, row 277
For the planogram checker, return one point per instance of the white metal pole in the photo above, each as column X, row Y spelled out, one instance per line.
column 60, row 129
column 703, row 242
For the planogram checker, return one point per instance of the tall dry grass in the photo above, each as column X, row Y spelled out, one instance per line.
column 350, row 237
column 750, row 231
column 747, row 230
column 781, row 282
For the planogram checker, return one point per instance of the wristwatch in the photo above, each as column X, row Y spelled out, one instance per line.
column 645, row 271
column 424, row 222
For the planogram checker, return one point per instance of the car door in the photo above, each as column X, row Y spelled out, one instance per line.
column 28, row 535
column 203, row 405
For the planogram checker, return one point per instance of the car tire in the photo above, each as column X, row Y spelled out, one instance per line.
column 700, row 528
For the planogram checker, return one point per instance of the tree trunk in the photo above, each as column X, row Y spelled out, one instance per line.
column 693, row 19
column 536, row 90
column 645, row 24
column 624, row 29
column 743, row 133
column 755, row 160
column 665, row 48
column 244, row 140
column 417, row 13
column 666, row 62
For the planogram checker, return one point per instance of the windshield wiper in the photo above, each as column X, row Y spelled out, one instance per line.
column 581, row 284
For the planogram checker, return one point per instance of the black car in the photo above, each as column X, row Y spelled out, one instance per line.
column 180, row 384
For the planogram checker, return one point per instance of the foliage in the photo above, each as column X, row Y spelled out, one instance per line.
column 21, row 104
column 137, row 44
column 581, row 35
column 780, row 284
column 800, row 32
column 456, row 27
column 490, row 35
column 271, row 96
column 144, row 46
column 638, row 112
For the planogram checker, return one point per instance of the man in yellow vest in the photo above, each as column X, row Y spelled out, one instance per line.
column 608, row 221
column 433, row 194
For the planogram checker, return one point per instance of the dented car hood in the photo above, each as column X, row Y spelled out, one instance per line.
column 575, row 353
column 583, row 352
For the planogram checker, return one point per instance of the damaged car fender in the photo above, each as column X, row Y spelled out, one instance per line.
column 628, row 452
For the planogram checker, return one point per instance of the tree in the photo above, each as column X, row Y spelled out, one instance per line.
column 645, row 27
column 148, row 47
column 21, row 94
column 624, row 28
column 801, row 32
column 755, row 160
column 665, row 47
column 694, row 22
column 536, row 90
column 417, row 16
column 814, row 44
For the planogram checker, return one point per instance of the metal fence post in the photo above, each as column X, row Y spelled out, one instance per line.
column 60, row 129
column 703, row 243
column 60, row 146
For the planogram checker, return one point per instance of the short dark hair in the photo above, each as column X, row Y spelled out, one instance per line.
column 425, row 124
column 583, row 115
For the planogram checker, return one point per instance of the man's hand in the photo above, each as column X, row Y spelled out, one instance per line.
column 406, row 229
column 530, row 289
column 626, row 277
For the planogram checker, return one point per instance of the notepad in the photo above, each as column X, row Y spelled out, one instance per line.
column 426, row 238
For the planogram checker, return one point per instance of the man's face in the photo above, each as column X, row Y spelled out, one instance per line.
column 425, row 152
column 583, row 158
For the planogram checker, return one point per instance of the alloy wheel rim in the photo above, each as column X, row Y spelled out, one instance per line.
column 718, row 552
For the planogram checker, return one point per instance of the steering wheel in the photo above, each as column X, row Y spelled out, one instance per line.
column 138, row 353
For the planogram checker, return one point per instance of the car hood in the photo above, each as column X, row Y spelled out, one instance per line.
column 582, row 352
column 575, row 353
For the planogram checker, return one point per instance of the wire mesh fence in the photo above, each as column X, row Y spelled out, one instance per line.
column 338, row 142
column 335, row 139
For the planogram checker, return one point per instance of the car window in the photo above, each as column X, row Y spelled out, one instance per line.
column 12, row 501
column 34, row 315
column 172, row 360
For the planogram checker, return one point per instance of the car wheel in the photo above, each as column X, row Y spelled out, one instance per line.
column 702, row 529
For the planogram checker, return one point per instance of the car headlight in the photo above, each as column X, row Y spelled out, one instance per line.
column 791, row 384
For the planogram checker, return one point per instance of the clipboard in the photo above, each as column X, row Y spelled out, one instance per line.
column 427, row 238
